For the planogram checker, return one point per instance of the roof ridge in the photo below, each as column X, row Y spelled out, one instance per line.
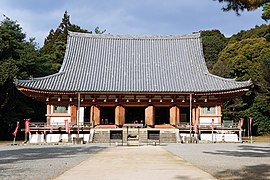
column 111, row 36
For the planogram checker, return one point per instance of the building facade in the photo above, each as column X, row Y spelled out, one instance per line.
column 109, row 81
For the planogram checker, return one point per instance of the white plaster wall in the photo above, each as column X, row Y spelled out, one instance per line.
column 36, row 138
column 81, row 120
column 86, row 137
column 59, row 120
column 220, row 137
column 53, row 138
column 208, row 121
column 52, row 109
column 216, row 137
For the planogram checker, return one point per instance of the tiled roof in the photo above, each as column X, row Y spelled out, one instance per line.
column 109, row 63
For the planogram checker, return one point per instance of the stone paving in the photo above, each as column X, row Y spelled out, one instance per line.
column 143, row 162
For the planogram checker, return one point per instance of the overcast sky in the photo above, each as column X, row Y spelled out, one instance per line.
column 134, row 17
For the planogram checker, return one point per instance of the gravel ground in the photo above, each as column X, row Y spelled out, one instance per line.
column 223, row 161
column 227, row 161
column 42, row 161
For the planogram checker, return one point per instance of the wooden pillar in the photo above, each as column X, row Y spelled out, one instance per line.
column 150, row 115
column 194, row 115
column 174, row 116
column 219, row 113
column 95, row 115
column 197, row 115
column 119, row 115
column 49, row 112
column 73, row 117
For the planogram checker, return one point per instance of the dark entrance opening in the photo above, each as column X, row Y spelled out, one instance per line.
column 87, row 115
column 184, row 115
column 134, row 114
column 162, row 115
column 107, row 115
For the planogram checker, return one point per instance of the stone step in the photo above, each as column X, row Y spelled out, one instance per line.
column 166, row 136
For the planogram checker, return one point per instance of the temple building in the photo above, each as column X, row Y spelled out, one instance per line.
column 107, row 81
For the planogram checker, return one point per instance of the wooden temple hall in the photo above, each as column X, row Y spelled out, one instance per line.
column 110, row 82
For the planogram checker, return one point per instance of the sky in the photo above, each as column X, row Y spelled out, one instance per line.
column 128, row 17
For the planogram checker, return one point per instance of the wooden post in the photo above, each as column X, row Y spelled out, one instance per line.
column 174, row 115
column 73, row 116
column 78, row 114
column 119, row 115
column 219, row 113
column 150, row 116
column 49, row 111
column 190, row 115
column 95, row 115
column 193, row 115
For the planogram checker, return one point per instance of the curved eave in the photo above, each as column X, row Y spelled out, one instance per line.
column 223, row 92
column 29, row 90
column 58, row 84
column 38, row 91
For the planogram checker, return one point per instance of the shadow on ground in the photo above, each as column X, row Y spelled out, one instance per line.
column 245, row 151
column 261, row 171
column 42, row 152
column 42, row 161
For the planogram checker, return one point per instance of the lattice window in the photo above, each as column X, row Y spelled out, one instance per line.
column 60, row 109
column 208, row 110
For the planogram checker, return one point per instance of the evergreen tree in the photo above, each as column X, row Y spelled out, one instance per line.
column 247, row 57
column 249, row 5
column 18, row 58
column 213, row 43
column 55, row 43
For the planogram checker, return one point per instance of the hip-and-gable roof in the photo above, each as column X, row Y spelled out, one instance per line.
column 110, row 63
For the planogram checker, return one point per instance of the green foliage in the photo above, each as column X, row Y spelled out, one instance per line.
column 266, row 67
column 247, row 56
column 22, row 59
column 249, row 5
column 213, row 43
column 55, row 43
column 266, row 12
column 18, row 58
column 11, row 39
column 259, row 111
column 8, row 70
column 262, row 31
column 54, row 47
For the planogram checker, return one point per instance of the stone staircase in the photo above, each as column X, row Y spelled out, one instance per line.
column 101, row 136
column 166, row 136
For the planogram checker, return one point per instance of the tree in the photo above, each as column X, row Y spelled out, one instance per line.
column 248, row 59
column 266, row 12
column 213, row 43
column 249, row 5
column 11, row 39
column 262, row 31
column 11, row 42
column 18, row 58
column 55, row 43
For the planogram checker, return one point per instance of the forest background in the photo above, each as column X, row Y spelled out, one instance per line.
column 243, row 56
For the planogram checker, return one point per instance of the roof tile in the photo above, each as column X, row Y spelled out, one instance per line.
column 113, row 63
